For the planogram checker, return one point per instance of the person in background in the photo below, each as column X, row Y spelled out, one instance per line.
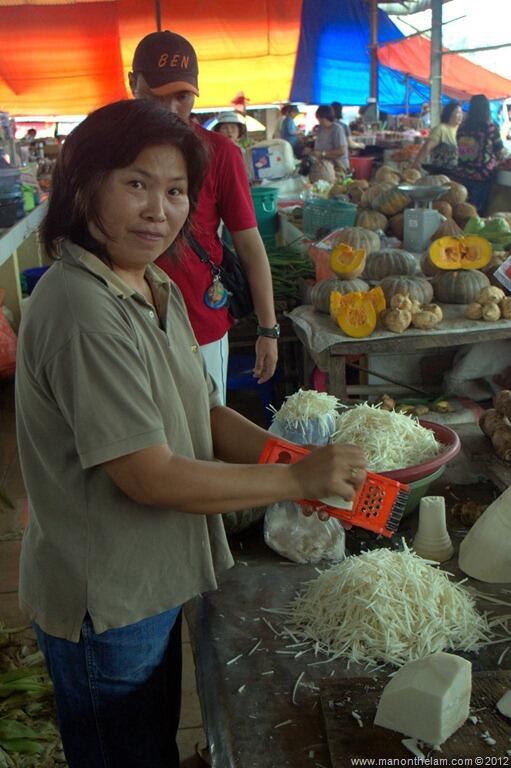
column 425, row 115
column 480, row 148
column 352, row 144
column 30, row 135
column 330, row 143
column 165, row 69
column 441, row 145
column 289, row 131
column 231, row 125
column 125, row 498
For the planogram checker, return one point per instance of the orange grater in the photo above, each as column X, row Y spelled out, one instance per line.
column 378, row 505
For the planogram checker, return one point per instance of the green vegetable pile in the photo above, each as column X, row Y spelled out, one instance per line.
column 496, row 231
column 287, row 268
column 28, row 735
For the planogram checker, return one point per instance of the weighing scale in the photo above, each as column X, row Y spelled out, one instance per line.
column 422, row 221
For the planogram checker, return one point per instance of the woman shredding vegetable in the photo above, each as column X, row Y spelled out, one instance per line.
column 118, row 429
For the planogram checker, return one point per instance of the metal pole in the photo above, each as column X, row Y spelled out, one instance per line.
column 436, row 61
column 157, row 9
column 374, row 49
column 407, row 94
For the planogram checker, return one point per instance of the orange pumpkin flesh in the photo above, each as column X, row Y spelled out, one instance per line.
column 472, row 252
column 378, row 299
column 347, row 262
column 356, row 315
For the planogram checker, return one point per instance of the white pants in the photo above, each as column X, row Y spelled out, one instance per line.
column 216, row 357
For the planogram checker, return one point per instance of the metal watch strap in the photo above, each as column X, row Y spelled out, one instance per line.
column 271, row 333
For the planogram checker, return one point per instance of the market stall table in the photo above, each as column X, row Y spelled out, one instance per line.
column 246, row 675
column 328, row 346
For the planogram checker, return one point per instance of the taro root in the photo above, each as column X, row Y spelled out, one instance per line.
column 501, row 440
column 436, row 309
column 502, row 402
column 490, row 421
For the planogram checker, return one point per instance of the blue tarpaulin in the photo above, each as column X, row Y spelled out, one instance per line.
column 333, row 61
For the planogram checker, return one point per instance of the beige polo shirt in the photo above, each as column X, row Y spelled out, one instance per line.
column 98, row 377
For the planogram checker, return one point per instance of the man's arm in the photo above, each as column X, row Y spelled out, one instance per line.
column 250, row 249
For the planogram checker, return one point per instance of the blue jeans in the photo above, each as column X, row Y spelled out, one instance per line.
column 118, row 693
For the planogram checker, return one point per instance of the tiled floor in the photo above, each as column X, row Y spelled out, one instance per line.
column 11, row 485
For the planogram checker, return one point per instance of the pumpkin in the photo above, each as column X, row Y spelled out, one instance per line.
column 438, row 180
column 355, row 194
column 378, row 298
column 358, row 237
column 347, row 262
column 390, row 261
column 448, row 228
column 391, row 201
column 415, row 287
column 461, row 286
column 443, row 207
column 427, row 266
column 386, row 171
column 372, row 192
column 339, row 188
column 320, row 293
column 410, row 175
column 397, row 225
column 456, row 194
column 462, row 212
column 356, row 315
column 371, row 219
column 361, row 183
column 472, row 252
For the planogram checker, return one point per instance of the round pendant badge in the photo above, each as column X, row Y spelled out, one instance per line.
column 216, row 296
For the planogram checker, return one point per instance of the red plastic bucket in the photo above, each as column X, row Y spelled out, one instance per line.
column 362, row 167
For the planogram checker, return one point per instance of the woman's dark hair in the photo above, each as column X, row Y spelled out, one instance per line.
column 325, row 111
column 337, row 107
column 478, row 111
column 448, row 110
column 288, row 109
column 112, row 137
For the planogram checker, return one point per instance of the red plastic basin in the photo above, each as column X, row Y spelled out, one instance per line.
column 444, row 435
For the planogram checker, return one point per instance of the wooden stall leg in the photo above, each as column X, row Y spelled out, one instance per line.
column 337, row 376
column 10, row 280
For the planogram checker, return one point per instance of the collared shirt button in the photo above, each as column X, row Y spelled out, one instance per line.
column 194, row 348
column 151, row 314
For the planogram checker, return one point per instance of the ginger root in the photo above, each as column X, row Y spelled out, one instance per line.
column 501, row 440
column 491, row 312
column 502, row 403
column 426, row 321
column 490, row 421
column 505, row 308
column 401, row 301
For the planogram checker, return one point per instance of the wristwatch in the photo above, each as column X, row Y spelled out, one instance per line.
column 271, row 333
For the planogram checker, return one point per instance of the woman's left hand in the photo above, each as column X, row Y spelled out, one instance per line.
column 266, row 358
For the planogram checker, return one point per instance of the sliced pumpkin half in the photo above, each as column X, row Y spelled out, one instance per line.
column 347, row 262
column 472, row 252
column 378, row 298
column 356, row 315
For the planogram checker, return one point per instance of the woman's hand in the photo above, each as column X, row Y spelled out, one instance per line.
column 335, row 470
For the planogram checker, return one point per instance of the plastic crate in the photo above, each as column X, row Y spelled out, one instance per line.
column 327, row 214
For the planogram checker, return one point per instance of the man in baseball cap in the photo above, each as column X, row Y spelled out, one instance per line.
column 165, row 69
column 167, row 62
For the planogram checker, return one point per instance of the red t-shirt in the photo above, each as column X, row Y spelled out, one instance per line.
column 225, row 195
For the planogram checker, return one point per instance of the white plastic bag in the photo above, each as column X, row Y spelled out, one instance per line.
column 302, row 539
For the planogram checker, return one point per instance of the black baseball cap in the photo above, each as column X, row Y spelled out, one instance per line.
column 168, row 63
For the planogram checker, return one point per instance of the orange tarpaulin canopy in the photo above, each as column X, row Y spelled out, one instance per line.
column 461, row 78
column 73, row 57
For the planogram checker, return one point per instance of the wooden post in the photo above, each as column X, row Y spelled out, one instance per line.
column 436, row 61
column 157, row 9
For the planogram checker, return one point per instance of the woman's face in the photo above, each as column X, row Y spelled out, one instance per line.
column 143, row 207
column 456, row 117
column 231, row 130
